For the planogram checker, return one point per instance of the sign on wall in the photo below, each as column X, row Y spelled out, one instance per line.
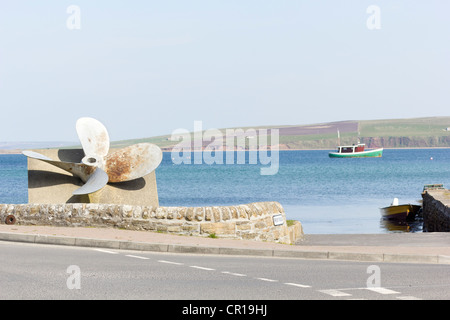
column 278, row 220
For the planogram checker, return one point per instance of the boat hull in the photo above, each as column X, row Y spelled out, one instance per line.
column 403, row 212
column 376, row 153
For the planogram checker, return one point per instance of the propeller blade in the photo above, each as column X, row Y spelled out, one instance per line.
column 35, row 155
column 93, row 136
column 81, row 170
column 96, row 181
column 132, row 162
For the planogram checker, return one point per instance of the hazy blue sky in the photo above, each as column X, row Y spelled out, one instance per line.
column 146, row 68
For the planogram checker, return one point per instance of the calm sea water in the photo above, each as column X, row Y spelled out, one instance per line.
column 326, row 195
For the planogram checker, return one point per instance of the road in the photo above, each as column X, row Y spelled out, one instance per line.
column 31, row 271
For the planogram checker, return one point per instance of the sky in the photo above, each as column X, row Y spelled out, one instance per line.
column 147, row 68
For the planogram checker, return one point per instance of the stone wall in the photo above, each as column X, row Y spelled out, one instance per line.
column 254, row 221
column 436, row 211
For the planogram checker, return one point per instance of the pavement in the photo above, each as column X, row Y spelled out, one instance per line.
column 432, row 247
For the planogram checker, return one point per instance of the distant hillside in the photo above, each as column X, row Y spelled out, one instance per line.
column 392, row 133
column 407, row 133
column 431, row 132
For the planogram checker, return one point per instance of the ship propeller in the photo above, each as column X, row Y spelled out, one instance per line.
column 99, row 167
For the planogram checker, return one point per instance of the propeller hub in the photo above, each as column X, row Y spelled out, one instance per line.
column 91, row 161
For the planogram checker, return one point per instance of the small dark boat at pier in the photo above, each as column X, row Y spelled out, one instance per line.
column 401, row 212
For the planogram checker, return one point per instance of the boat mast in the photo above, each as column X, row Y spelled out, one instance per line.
column 339, row 141
column 359, row 135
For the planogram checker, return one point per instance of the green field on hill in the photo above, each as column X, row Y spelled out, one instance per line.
column 420, row 127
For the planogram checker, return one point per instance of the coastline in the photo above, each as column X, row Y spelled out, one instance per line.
column 327, row 149
column 18, row 151
column 12, row 151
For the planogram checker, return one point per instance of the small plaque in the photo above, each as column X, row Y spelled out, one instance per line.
column 278, row 220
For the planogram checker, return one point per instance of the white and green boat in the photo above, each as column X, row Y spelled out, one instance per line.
column 356, row 151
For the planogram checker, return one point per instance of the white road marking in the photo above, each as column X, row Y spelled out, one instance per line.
column 382, row 290
column 408, row 298
column 234, row 274
column 331, row 292
column 137, row 257
column 202, row 268
column 297, row 285
column 106, row 251
column 335, row 293
column 268, row 280
column 171, row 262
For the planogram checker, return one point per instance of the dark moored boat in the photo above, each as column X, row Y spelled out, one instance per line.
column 400, row 212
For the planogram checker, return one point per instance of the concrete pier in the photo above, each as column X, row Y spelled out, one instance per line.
column 436, row 210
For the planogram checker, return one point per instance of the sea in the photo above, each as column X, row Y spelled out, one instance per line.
column 327, row 195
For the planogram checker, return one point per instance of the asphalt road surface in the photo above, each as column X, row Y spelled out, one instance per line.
column 31, row 271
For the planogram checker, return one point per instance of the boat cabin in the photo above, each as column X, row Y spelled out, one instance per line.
column 351, row 149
